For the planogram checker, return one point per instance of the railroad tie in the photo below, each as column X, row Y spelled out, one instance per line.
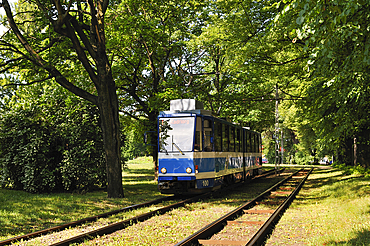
column 221, row 242
column 238, row 222
column 287, row 188
column 282, row 192
column 268, row 203
column 254, row 211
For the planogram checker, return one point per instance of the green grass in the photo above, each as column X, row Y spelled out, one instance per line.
column 22, row 212
column 333, row 208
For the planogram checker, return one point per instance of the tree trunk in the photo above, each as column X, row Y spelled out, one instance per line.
column 108, row 107
column 153, row 140
column 92, row 54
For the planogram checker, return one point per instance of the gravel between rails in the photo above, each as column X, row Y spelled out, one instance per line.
column 177, row 224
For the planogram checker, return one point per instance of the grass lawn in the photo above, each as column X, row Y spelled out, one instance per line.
column 22, row 212
column 333, row 208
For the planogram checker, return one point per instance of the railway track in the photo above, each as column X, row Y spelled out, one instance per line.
column 108, row 228
column 112, row 227
column 84, row 221
column 281, row 195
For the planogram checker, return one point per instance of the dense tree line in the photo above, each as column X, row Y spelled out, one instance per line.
column 135, row 56
column 335, row 37
column 50, row 141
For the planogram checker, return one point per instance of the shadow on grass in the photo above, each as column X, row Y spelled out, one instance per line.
column 341, row 186
column 254, row 188
column 22, row 212
column 142, row 171
column 361, row 238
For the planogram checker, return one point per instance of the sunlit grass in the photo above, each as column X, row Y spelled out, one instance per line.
column 332, row 209
column 22, row 212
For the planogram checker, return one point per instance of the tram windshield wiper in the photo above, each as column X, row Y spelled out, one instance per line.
column 177, row 147
column 164, row 148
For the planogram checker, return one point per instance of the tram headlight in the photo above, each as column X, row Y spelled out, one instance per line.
column 188, row 170
column 163, row 170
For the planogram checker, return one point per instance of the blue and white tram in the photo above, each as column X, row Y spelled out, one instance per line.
column 199, row 152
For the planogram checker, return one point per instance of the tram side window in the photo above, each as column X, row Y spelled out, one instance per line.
column 232, row 139
column 198, row 136
column 237, row 140
column 260, row 143
column 225, row 138
column 252, row 143
column 207, row 133
column 218, row 137
column 249, row 147
column 244, row 141
column 260, row 137
column 255, row 143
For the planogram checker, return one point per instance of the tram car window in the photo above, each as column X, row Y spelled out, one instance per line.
column 253, row 143
column 259, row 144
column 207, row 135
column 176, row 134
column 237, row 140
column 225, row 138
column 218, row 136
column 232, row 139
column 244, row 137
column 198, row 135
column 249, row 146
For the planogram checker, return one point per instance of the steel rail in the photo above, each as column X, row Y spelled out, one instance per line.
column 220, row 223
column 85, row 220
column 261, row 235
column 123, row 224
column 104, row 215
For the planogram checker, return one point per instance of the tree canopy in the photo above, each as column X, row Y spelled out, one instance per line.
column 66, row 42
column 135, row 56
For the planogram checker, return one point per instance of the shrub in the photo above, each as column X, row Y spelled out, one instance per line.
column 53, row 146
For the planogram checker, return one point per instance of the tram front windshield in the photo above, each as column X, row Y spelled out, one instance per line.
column 176, row 134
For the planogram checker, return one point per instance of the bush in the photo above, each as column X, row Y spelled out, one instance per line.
column 53, row 146
column 357, row 170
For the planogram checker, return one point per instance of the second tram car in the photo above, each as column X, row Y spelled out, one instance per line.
column 199, row 152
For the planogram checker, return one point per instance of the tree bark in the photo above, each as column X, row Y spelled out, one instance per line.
column 108, row 107
column 92, row 53
column 153, row 140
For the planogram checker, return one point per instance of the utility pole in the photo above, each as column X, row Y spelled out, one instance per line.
column 282, row 146
column 277, row 129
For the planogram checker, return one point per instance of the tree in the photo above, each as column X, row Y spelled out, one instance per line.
column 64, row 41
column 241, row 61
column 335, row 34
column 148, row 42
column 50, row 140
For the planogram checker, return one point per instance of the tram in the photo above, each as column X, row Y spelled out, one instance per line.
column 199, row 152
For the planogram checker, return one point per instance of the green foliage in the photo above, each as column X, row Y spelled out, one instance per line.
column 148, row 40
column 134, row 139
column 356, row 170
column 333, row 36
column 50, row 144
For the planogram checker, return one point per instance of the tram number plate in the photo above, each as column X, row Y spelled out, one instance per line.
column 205, row 183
